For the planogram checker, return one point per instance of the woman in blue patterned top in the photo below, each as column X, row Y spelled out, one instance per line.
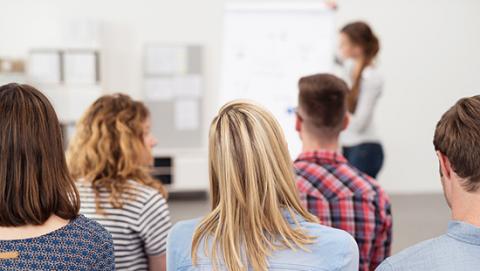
column 40, row 228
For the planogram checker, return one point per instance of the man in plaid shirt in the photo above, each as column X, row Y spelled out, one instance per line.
column 337, row 193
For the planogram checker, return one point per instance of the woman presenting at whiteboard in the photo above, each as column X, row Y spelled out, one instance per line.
column 358, row 48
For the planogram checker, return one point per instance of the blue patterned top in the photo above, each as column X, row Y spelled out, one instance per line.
column 81, row 245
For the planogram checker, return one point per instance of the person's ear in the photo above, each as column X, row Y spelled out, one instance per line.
column 298, row 123
column 346, row 121
column 445, row 165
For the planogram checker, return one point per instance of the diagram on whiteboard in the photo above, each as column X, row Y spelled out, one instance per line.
column 267, row 49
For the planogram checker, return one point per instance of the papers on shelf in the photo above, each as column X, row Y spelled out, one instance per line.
column 159, row 89
column 169, row 88
column 189, row 86
column 186, row 114
column 166, row 60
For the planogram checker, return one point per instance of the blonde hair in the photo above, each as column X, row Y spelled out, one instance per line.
column 251, row 185
column 108, row 148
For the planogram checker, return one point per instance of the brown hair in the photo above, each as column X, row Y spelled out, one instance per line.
column 108, row 149
column 322, row 100
column 34, row 178
column 457, row 136
column 362, row 35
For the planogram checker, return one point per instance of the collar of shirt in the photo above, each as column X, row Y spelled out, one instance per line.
column 464, row 232
column 291, row 219
column 322, row 155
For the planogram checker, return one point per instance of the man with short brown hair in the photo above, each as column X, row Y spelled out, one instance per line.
column 457, row 143
column 330, row 187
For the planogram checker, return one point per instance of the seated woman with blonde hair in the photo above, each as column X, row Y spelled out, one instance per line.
column 256, row 221
column 110, row 156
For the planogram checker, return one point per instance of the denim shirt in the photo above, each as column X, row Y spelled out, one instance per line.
column 333, row 250
column 457, row 250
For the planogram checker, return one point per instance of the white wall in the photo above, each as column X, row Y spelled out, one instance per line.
column 429, row 57
column 125, row 27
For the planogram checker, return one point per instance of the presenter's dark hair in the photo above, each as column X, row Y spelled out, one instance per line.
column 360, row 34
column 322, row 102
column 34, row 179
column 457, row 136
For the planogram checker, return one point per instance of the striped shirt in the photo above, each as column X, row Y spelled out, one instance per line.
column 139, row 229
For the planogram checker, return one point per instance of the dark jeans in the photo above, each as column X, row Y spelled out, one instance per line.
column 367, row 157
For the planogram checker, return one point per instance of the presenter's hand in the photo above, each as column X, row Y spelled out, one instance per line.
column 332, row 4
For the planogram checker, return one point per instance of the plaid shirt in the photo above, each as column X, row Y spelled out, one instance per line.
column 343, row 197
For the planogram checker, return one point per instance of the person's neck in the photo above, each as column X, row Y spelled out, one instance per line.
column 466, row 208
column 53, row 223
column 310, row 144
column 361, row 60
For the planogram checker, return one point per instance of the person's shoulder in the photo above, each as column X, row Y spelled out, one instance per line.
column 84, row 187
column 358, row 183
column 372, row 72
column 179, row 240
column 333, row 247
column 331, row 239
column 91, row 229
column 412, row 255
column 184, row 228
column 385, row 266
column 306, row 187
column 362, row 185
column 310, row 174
column 141, row 188
column 143, row 192
column 372, row 78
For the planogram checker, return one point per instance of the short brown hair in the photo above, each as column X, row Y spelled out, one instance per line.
column 322, row 100
column 457, row 136
column 34, row 179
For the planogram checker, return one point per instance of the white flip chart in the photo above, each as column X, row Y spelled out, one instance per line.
column 268, row 47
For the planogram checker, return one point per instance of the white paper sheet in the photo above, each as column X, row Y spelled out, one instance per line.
column 188, row 86
column 159, row 89
column 166, row 60
column 80, row 68
column 44, row 67
column 186, row 114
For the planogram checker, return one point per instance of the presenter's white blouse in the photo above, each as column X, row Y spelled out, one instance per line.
column 362, row 123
